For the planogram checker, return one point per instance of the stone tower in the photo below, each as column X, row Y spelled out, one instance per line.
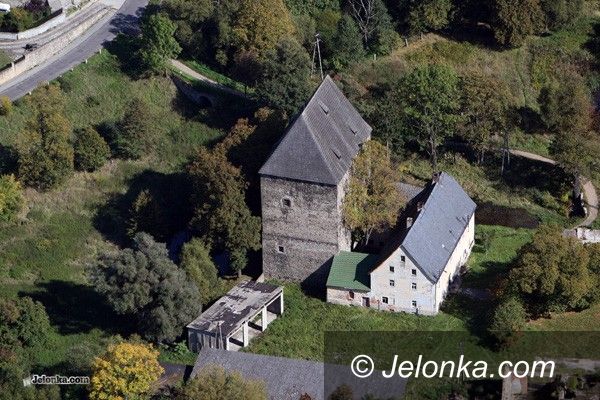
column 303, row 185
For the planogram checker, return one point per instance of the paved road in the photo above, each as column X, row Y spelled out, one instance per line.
column 591, row 197
column 125, row 20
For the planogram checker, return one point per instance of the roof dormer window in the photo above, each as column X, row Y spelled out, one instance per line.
column 337, row 154
column 324, row 107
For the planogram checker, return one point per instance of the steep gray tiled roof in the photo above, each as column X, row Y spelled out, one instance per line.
column 288, row 378
column 321, row 143
column 439, row 225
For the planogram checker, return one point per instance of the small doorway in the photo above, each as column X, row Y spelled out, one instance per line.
column 366, row 302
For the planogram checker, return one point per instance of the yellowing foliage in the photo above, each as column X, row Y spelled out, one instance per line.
column 126, row 371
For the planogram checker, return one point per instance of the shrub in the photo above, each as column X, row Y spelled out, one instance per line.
column 6, row 105
column 11, row 197
column 215, row 384
column 509, row 317
column 91, row 150
column 135, row 135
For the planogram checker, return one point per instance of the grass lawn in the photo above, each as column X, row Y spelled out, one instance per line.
column 495, row 248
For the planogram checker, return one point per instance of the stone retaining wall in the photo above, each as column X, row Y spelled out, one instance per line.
column 46, row 51
column 53, row 22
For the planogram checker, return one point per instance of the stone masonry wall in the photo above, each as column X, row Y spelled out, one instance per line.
column 301, row 229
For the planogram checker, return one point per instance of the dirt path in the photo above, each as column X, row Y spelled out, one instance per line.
column 591, row 197
column 193, row 74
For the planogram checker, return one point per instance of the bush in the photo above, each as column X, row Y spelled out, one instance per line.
column 6, row 105
column 215, row 384
column 135, row 135
column 509, row 317
column 11, row 197
column 91, row 150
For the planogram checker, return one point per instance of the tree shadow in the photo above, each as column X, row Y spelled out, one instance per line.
column 171, row 194
column 8, row 160
column 126, row 49
column 475, row 314
column 75, row 308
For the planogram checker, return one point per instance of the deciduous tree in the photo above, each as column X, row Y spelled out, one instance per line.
column 429, row 15
column 485, row 110
column 11, row 197
column 514, row 20
column 260, row 24
column 144, row 283
column 372, row 201
column 561, row 12
column 552, row 272
column 158, row 43
column 197, row 262
column 284, row 81
column 90, row 149
column 214, row 383
column 509, row 317
column 426, row 102
column 45, row 151
column 126, row 371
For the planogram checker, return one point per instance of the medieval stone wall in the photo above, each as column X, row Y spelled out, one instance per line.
column 301, row 229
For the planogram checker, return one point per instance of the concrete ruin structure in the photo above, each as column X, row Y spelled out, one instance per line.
column 584, row 235
column 421, row 257
column 303, row 184
column 243, row 313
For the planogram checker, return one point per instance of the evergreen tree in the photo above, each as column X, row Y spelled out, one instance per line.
column 136, row 133
column 348, row 43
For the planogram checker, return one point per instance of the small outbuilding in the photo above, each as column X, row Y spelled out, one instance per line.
column 243, row 313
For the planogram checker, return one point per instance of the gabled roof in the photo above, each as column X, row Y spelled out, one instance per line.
column 321, row 143
column 350, row 270
column 438, row 227
column 288, row 379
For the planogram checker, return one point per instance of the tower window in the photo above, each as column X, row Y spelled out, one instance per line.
column 287, row 202
column 281, row 249
column 392, row 282
column 392, row 268
column 414, row 272
column 414, row 286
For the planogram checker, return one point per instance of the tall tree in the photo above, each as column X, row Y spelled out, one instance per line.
column 514, row 20
column 136, row 133
column 348, row 43
column 158, row 43
column 259, row 25
column 429, row 15
column 125, row 371
column 485, row 110
column 428, row 101
column 45, row 151
column 567, row 111
column 197, row 262
column 284, row 82
column 144, row 283
column 551, row 272
column 222, row 216
column 372, row 201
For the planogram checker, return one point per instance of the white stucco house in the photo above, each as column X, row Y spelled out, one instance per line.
column 414, row 270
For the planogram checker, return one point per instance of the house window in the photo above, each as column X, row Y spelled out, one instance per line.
column 351, row 294
column 403, row 258
column 384, row 300
column 414, row 286
column 287, row 202
column 280, row 249
column 414, row 272
column 391, row 268
column 392, row 283
column 414, row 303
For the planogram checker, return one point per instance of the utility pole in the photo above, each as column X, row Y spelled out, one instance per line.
column 505, row 153
column 317, row 53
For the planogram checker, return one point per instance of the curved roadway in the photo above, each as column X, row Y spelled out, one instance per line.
column 124, row 20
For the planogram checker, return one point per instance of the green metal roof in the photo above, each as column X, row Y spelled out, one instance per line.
column 351, row 270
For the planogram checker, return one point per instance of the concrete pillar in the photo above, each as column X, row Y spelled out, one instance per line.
column 264, row 319
column 281, row 304
column 227, row 343
column 245, row 334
